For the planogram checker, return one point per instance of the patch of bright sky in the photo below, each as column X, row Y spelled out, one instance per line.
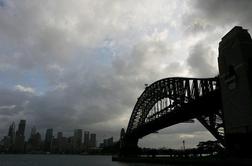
column 105, row 53
column 32, row 78
column 2, row 4
column 168, row 137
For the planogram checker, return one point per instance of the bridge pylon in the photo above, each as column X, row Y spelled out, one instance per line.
column 235, row 67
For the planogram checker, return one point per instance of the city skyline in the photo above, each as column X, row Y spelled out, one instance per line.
column 31, row 129
column 83, row 64
column 56, row 142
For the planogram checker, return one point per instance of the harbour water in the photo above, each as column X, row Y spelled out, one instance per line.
column 62, row 160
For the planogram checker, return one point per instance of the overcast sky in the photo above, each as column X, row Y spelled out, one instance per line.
column 83, row 63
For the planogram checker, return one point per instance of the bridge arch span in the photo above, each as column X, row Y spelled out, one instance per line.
column 174, row 100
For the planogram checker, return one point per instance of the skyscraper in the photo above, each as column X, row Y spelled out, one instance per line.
column 33, row 131
column 20, row 137
column 108, row 142
column 92, row 142
column 34, row 143
column 12, row 133
column 59, row 135
column 21, row 127
column 60, row 142
column 49, row 135
column 48, row 139
column 86, row 139
column 77, row 140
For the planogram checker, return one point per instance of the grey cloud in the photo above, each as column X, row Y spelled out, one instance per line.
column 143, row 59
column 16, row 101
column 209, row 21
column 201, row 61
column 176, row 69
column 195, row 27
column 224, row 13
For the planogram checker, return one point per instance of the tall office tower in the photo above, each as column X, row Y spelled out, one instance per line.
column 12, row 133
column 33, row 131
column 30, row 145
column 92, row 142
column 235, row 66
column 60, row 142
column 20, row 137
column 21, row 127
column 11, row 129
column 108, row 142
column 77, row 140
column 37, row 141
column 48, row 140
column 122, row 135
column 49, row 135
column 34, row 143
column 86, row 139
column 59, row 135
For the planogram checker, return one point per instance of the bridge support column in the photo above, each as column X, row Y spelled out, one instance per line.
column 235, row 67
column 129, row 147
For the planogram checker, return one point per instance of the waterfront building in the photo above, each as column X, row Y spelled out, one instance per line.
column 48, row 140
column 35, row 142
column 60, row 142
column 12, row 133
column 33, row 131
column 86, row 140
column 21, row 127
column 20, row 138
column 92, row 142
column 107, row 143
column 59, row 135
column 77, row 140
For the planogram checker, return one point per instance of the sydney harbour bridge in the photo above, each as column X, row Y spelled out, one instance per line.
column 222, row 104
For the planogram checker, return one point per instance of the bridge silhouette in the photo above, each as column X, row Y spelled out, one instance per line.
column 222, row 104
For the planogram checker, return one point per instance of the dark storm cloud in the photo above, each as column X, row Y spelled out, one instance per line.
column 209, row 21
column 201, row 61
column 12, row 106
column 226, row 12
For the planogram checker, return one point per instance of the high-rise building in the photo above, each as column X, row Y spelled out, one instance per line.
column 12, row 133
column 33, row 131
column 34, row 143
column 77, row 140
column 122, row 135
column 20, row 137
column 11, row 129
column 108, row 142
column 59, row 135
column 21, row 127
column 86, row 139
column 49, row 135
column 92, row 142
column 48, row 139
column 60, row 142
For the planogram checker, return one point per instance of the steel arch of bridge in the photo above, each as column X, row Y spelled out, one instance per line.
column 174, row 100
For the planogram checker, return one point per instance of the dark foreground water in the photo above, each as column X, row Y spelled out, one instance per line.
column 62, row 160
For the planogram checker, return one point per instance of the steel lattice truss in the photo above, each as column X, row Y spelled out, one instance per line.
column 174, row 100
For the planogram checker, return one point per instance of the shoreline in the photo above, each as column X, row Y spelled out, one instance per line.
column 186, row 161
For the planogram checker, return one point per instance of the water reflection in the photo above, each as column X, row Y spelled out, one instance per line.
column 62, row 160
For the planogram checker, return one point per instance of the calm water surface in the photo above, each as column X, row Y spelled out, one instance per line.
column 62, row 160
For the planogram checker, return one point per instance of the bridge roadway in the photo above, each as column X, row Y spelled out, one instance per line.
column 174, row 100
